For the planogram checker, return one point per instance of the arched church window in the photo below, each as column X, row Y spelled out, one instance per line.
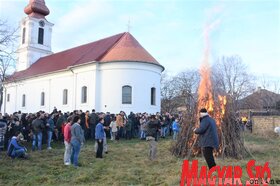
column 42, row 98
column 65, row 97
column 126, row 94
column 23, row 35
column 23, row 100
column 41, row 36
column 8, row 97
column 84, row 94
column 153, row 96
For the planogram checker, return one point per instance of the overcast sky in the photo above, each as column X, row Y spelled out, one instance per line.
column 171, row 30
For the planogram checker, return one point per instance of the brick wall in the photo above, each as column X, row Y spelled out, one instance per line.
column 265, row 124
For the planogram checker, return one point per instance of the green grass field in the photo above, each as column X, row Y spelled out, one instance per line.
column 125, row 164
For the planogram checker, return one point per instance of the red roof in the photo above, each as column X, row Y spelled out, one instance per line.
column 120, row 47
column 128, row 49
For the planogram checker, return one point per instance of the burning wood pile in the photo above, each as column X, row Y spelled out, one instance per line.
column 219, row 108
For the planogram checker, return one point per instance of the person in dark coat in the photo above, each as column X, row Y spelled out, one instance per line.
column 37, row 128
column 152, row 128
column 83, row 120
column 93, row 120
column 128, row 127
column 208, row 137
column 3, row 129
column 25, row 126
column 133, row 123
column 59, row 123
column 107, row 122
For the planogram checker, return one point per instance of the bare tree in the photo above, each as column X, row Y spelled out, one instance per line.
column 276, row 84
column 188, row 84
column 179, row 90
column 265, row 83
column 8, row 36
column 231, row 77
column 169, row 91
column 270, row 83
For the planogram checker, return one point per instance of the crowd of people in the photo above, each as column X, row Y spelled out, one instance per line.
column 75, row 128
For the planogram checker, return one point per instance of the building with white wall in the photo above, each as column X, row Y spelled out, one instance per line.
column 111, row 74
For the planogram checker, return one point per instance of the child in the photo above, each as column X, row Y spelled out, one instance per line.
column 99, row 137
column 67, row 139
column 175, row 128
column 113, row 126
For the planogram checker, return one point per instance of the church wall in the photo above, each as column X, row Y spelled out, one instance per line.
column 58, row 84
column 32, row 91
column 11, row 104
column 85, row 79
column 105, row 95
column 53, row 85
column 140, row 76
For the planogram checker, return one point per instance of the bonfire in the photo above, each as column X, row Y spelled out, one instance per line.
column 221, row 110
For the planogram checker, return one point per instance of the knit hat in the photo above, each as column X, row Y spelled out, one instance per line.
column 203, row 110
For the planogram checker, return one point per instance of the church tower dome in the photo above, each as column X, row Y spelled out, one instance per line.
column 37, row 8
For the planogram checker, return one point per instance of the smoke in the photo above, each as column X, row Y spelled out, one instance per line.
column 205, row 96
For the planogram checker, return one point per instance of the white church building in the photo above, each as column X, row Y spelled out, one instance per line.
column 109, row 75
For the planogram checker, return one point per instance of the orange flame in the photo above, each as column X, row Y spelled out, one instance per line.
column 205, row 96
column 221, row 110
column 205, row 90
column 223, row 102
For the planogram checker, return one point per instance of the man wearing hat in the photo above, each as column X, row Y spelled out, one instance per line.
column 208, row 137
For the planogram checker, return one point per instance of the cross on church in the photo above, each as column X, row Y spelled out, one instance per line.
column 128, row 25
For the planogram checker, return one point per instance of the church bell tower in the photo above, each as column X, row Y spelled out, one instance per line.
column 36, row 31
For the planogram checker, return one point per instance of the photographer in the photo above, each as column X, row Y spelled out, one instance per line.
column 15, row 149
column 153, row 126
